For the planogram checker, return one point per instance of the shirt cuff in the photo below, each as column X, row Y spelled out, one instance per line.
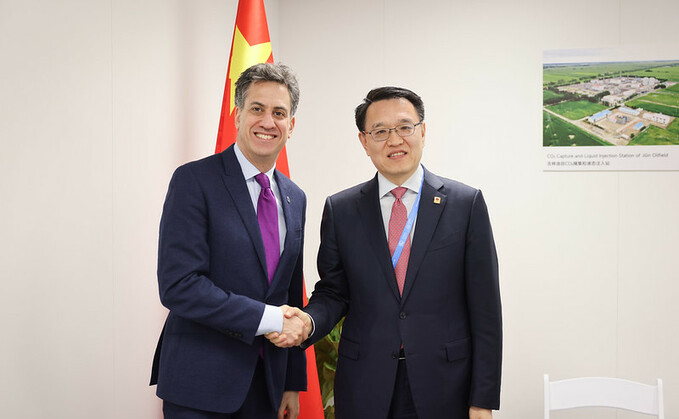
column 272, row 320
column 313, row 325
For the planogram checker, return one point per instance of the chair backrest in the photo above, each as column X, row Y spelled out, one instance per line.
column 604, row 392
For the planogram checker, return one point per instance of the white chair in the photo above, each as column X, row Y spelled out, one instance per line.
column 604, row 392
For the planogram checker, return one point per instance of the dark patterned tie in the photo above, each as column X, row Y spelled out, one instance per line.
column 399, row 216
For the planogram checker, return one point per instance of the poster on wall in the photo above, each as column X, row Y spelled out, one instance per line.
column 609, row 109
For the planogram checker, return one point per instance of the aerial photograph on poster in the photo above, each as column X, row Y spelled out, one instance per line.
column 611, row 103
column 589, row 101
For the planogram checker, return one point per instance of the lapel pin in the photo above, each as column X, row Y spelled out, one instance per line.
column 288, row 199
column 437, row 199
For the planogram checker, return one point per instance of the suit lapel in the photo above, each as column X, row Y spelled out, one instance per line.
column 238, row 190
column 373, row 225
column 432, row 203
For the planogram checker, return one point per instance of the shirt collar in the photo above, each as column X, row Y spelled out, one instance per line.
column 413, row 183
column 249, row 169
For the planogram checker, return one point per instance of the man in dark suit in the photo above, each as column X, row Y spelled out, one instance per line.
column 230, row 264
column 422, row 336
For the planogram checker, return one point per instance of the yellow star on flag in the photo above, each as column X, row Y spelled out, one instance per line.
column 244, row 56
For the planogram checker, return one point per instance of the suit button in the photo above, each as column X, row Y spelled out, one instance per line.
column 402, row 316
column 394, row 355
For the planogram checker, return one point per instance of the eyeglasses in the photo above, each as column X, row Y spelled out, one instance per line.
column 403, row 130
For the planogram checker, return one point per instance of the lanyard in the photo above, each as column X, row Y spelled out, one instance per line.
column 407, row 228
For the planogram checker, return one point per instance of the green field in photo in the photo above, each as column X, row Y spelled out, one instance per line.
column 548, row 95
column 674, row 127
column 670, row 72
column 653, row 107
column 658, row 136
column 663, row 98
column 665, row 101
column 576, row 110
column 559, row 133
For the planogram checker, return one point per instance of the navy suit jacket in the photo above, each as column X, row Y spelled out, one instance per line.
column 448, row 320
column 212, row 276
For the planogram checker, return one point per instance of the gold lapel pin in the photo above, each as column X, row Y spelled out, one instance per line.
column 437, row 199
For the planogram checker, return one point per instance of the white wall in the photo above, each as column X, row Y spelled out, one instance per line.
column 101, row 100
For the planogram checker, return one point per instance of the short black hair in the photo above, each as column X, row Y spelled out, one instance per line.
column 385, row 93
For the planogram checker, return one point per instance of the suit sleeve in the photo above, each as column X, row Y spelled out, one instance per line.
column 483, row 298
column 296, row 377
column 330, row 299
column 184, row 262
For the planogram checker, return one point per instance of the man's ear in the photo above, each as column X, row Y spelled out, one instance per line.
column 292, row 126
column 236, row 117
column 363, row 138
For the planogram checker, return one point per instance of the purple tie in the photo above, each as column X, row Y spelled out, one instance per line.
column 267, row 215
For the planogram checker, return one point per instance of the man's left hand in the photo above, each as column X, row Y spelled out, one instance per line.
column 289, row 405
column 478, row 413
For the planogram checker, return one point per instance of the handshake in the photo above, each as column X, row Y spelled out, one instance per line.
column 296, row 328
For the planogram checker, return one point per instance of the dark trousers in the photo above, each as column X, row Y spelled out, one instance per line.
column 256, row 405
column 402, row 406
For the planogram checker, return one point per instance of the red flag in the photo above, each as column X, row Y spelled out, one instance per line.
column 251, row 45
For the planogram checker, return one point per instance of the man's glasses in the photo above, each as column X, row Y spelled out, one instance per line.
column 403, row 130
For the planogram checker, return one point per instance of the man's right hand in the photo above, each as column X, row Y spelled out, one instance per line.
column 296, row 328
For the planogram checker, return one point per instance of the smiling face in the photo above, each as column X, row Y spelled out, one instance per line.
column 395, row 158
column 264, row 123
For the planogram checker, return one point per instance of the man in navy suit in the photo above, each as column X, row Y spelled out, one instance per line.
column 226, row 276
column 408, row 258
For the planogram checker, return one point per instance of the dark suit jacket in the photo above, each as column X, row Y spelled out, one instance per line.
column 448, row 320
column 212, row 276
